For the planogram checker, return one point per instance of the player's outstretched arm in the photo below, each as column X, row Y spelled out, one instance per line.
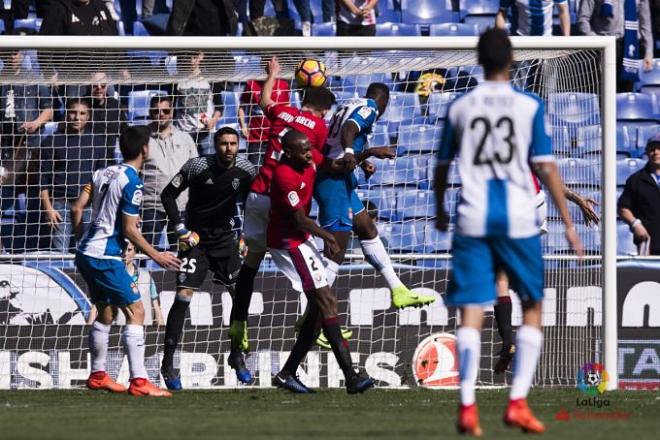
column 77, row 209
column 306, row 224
column 273, row 70
column 132, row 232
column 549, row 175
column 440, row 187
column 586, row 205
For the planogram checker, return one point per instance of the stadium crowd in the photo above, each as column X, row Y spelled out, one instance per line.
column 52, row 137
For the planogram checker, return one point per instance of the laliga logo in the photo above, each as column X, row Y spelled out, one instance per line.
column 435, row 363
column 592, row 379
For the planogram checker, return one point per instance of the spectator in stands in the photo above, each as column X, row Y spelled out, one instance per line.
column 68, row 159
column 151, row 6
column 655, row 20
column 528, row 23
column 108, row 119
column 198, row 103
column 169, row 149
column 356, row 18
column 202, row 18
column 20, row 9
column 328, row 10
column 639, row 204
column 25, row 105
column 79, row 17
column 257, row 128
column 304, row 11
column 621, row 18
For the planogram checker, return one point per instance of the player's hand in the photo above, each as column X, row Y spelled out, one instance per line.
column 273, row 67
column 349, row 161
column 640, row 234
column 587, row 208
column 383, row 152
column 167, row 261
column 331, row 245
column 29, row 126
column 647, row 64
column 368, row 168
column 574, row 240
column 53, row 218
column 187, row 239
column 245, row 131
column 442, row 220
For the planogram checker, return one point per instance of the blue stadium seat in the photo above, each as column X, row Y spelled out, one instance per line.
column 28, row 23
column 574, row 108
column 636, row 106
column 479, row 7
column 626, row 141
column 139, row 30
column 138, row 103
column 483, row 22
column 578, row 172
column 439, row 103
column 589, row 139
column 384, row 199
column 403, row 237
column 419, row 138
column 399, row 171
column 398, row 30
column 644, row 134
column 453, row 178
column 454, row 30
column 342, row 97
column 402, row 106
column 562, row 143
column 415, row 204
column 426, row 12
column 380, row 137
column 554, row 242
column 626, row 167
column 624, row 240
column 324, row 29
column 436, row 241
column 230, row 102
column 359, row 83
column 650, row 78
column 2, row 27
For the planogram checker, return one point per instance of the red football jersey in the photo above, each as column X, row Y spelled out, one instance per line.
column 291, row 190
column 258, row 124
column 282, row 118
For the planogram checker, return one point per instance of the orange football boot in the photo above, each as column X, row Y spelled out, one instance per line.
column 519, row 414
column 468, row 420
column 99, row 380
column 142, row 387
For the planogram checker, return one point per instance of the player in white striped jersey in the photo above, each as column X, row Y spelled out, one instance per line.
column 116, row 196
column 534, row 17
column 497, row 131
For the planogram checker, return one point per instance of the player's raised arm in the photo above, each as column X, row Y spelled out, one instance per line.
column 77, row 209
column 273, row 70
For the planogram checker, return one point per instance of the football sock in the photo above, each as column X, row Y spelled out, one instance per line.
column 503, row 312
column 174, row 328
column 469, row 354
column 133, row 340
column 244, row 288
column 339, row 346
column 375, row 253
column 528, row 349
column 306, row 337
column 331, row 269
column 98, row 345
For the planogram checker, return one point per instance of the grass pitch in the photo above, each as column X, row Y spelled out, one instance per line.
column 328, row 414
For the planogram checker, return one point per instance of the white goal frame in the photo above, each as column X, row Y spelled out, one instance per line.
column 606, row 45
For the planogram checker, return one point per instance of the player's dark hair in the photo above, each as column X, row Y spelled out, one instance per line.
column 132, row 140
column 495, row 51
column 291, row 138
column 70, row 102
column 223, row 131
column 157, row 99
column 318, row 98
column 378, row 92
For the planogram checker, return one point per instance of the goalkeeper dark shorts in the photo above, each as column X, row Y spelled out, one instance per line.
column 196, row 262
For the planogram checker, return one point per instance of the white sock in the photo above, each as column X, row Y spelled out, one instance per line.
column 133, row 339
column 331, row 269
column 98, row 345
column 469, row 356
column 375, row 253
column 528, row 350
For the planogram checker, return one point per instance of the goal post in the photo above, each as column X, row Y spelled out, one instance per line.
column 386, row 341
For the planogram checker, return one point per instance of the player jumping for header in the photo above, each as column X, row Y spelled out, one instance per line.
column 340, row 209
column 497, row 131
column 116, row 196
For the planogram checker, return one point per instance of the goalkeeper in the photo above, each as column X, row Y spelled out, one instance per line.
column 208, row 240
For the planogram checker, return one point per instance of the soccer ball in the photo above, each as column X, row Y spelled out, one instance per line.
column 310, row 73
column 593, row 378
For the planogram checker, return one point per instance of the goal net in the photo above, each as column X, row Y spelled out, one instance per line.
column 44, row 303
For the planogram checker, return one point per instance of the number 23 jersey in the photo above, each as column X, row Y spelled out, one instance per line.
column 495, row 131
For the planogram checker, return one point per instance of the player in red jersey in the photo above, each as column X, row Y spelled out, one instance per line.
column 283, row 118
column 295, row 253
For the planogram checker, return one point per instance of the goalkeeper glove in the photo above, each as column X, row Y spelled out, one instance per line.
column 187, row 239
